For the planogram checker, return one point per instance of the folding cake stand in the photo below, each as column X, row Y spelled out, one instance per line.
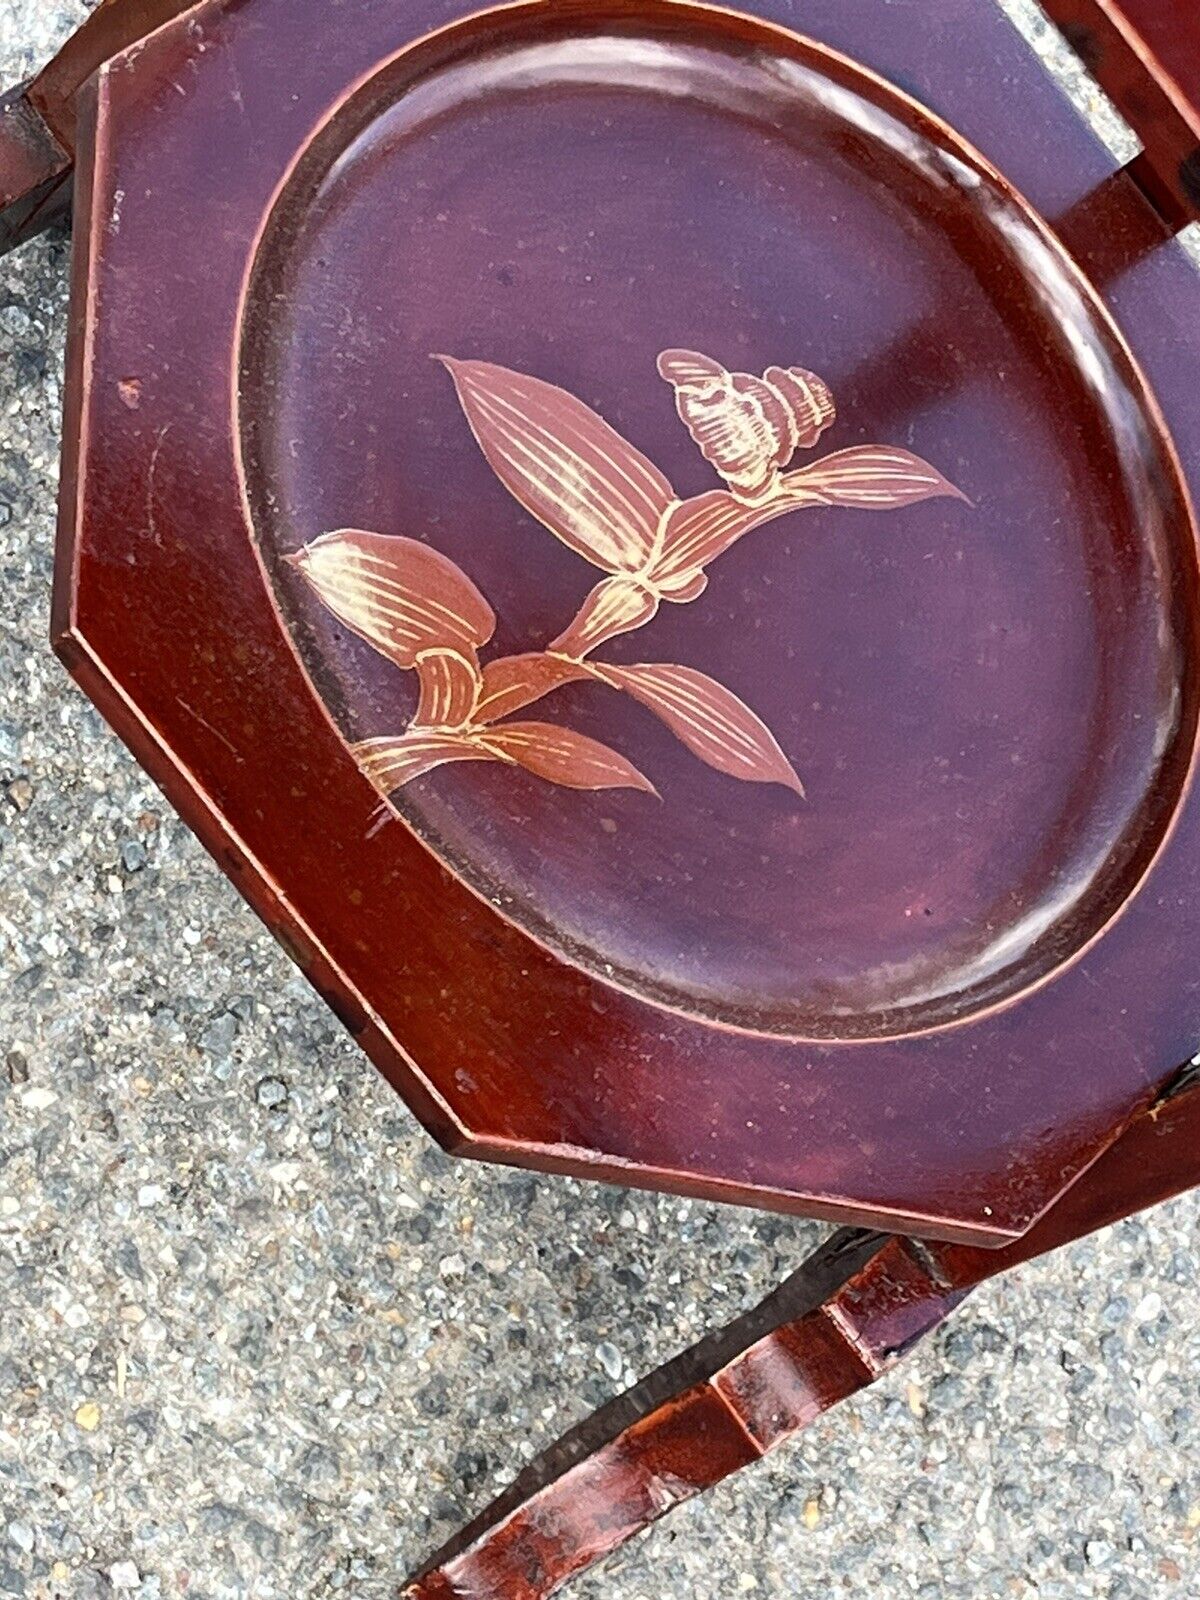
column 654, row 543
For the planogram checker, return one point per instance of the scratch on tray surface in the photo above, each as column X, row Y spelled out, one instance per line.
column 152, row 485
column 216, row 732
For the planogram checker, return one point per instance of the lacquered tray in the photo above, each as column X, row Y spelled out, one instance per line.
column 968, row 634
column 668, row 577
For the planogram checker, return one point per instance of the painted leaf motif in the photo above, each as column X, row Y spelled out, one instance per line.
column 564, row 464
column 399, row 595
column 563, row 756
column 513, row 682
column 701, row 529
column 450, row 685
column 710, row 719
column 618, row 605
column 872, row 477
column 390, row 763
column 682, row 587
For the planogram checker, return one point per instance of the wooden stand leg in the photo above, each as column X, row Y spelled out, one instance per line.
column 851, row 1311
column 37, row 120
column 35, row 173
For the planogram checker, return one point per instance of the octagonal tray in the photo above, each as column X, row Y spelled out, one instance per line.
column 661, row 576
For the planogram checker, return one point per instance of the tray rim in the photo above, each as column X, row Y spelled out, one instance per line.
column 1104, row 317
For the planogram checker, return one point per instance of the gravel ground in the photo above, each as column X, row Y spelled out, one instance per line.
column 258, row 1337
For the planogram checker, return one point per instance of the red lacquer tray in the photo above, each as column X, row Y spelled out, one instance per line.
column 946, row 583
column 658, row 551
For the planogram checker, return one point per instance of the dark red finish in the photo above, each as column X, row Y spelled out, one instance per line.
column 894, row 655
column 111, row 26
column 715, row 1408
column 38, row 120
column 551, row 986
column 1169, row 31
column 35, row 172
column 848, row 1315
column 1144, row 54
column 510, row 1041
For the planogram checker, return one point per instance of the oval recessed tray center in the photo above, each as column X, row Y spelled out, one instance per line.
column 990, row 702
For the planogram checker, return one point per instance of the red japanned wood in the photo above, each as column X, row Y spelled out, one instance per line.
column 845, row 1317
column 1146, row 55
column 224, row 426
column 851, row 1312
column 1156, row 1158
column 112, row 26
column 1144, row 52
column 39, row 120
column 509, row 1046
column 1171, row 31
column 35, row 172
